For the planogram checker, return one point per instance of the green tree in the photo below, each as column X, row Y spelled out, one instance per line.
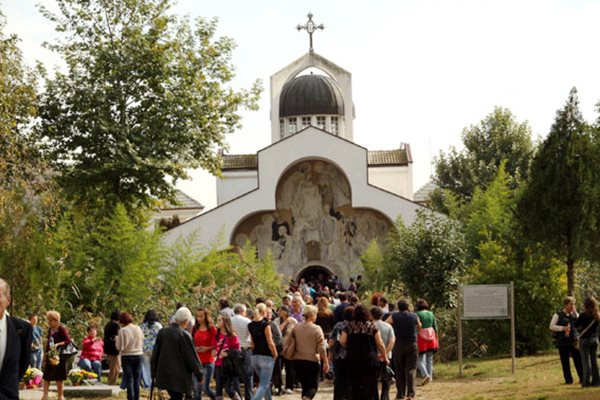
column 557, row 207
column 28, row 199
column 498, row 253
column 499, row 136
column 376, row 274
column 428, row 257
column 145, row 97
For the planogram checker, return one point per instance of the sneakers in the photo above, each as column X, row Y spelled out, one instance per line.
column 425, row 381
column 288, row 391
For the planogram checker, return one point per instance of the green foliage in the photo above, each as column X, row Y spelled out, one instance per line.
column 557, row 207
column 375, row 273
column 28, row 198
column 496, row 138
column 202, row 276
column 497, row 254
column 145, row 97
column 428, row 257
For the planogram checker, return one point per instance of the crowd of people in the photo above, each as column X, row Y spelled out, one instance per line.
column 276, row 347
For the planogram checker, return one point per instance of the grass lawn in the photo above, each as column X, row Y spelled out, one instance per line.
column 536, row 378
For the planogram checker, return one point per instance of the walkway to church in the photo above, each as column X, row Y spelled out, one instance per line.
column 435, row 391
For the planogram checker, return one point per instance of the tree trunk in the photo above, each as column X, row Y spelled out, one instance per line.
column 570, row 276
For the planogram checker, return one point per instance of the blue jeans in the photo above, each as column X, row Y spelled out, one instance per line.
column 146, row 372
column 209, row 371
column 263, row 366
column 36, row 358
column 249, row 378
column 425, row 364
column 223, row 383
column 91, row 366
column 132, row 375
column 589, row 360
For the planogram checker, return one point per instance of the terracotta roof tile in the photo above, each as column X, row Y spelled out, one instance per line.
column 183, row 201
column 380, row 158
column 377, row 158
column 239, row 161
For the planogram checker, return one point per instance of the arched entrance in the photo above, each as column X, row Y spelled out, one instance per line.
column 316, row 274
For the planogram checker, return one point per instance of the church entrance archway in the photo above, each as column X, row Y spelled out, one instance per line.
column 317, row 274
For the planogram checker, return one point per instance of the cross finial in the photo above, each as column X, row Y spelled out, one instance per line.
column 310, row 27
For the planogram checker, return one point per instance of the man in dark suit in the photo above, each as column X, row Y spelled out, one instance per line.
column 15, row 347
column 174, row 358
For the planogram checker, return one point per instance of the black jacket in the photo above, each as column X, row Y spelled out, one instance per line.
column 110, row 336
column 174, row 360
column 17, row 357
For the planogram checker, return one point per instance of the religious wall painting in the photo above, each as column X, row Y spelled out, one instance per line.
column 314, row 221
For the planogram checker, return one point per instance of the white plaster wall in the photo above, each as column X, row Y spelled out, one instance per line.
column 220, row 222
column 234, row 184
column 397, row 179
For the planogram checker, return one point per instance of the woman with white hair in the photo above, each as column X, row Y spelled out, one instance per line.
column 174, row 358
column 264, row 351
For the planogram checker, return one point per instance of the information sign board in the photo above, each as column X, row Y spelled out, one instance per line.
column 485, row 301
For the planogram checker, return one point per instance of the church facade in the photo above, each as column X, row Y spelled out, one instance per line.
column 314, row 199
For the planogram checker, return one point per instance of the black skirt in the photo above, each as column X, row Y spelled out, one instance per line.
column 55, row 372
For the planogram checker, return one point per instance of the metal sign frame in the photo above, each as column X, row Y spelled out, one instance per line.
column 511, row 307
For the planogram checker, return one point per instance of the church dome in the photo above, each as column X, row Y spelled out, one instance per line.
column 310, row 95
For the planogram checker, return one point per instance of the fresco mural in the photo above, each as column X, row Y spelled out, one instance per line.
column 314, row 223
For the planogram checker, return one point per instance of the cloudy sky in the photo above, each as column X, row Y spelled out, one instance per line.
column 422, row 69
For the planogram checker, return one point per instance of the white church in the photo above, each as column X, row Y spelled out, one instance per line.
column 313, row 198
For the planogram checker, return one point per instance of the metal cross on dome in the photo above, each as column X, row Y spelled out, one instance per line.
column 310, row 27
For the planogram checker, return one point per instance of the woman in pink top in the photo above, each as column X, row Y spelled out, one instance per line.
column 92, row 351
column 226, row 340
column 205, row 340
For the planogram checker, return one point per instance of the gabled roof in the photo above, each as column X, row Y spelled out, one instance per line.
column 376, row 158
column 183, row 202
column 424, row 193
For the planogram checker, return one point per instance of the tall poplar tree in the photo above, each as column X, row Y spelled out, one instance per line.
column 144, row 97
column 557, row 206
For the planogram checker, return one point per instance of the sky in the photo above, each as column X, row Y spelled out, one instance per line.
column 422, row 70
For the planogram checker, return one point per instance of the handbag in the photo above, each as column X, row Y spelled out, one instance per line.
column 427, row 340
column 290, row 346
column 576, row 343
column 68, row 351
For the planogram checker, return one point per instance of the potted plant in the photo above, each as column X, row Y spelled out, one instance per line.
column 78, row 376
column 53, row 356
column 32, row 378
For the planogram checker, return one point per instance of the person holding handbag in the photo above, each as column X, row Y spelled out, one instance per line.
column 58, row 337
column 427, row 341
column 587, row 325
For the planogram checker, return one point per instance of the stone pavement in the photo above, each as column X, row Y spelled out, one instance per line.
column 95, row 391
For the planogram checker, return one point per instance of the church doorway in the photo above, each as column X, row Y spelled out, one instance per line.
column 317, row 274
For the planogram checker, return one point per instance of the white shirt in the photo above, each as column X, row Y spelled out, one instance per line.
column 240, row 326
column 3, row 338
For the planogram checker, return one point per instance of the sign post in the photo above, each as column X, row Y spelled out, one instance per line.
column 486, row 302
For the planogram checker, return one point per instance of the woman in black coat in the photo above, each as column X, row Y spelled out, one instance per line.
column 174, row 359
